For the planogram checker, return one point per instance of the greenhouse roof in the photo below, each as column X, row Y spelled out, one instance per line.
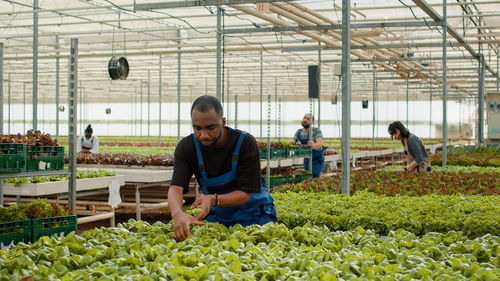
column 401, row 40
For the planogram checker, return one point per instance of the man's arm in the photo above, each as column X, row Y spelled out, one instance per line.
column 181, row 219
column 231, row 199
column 317, row 144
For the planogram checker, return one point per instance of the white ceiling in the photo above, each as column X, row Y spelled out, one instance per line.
column 113, row 28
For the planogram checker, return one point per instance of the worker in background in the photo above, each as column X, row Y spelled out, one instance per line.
column 417, row 158
column 226, row 164
column 87, row 143
column 316, row 143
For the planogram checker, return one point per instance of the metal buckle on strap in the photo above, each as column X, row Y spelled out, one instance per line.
column 235, row 158
column 202, row 168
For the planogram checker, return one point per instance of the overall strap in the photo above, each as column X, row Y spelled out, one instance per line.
column 201, row 165
column 224, row 178
column 236, row 153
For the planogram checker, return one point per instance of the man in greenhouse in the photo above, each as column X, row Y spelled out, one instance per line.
column 316, row 143
column 87, row 143
column 226, row 164
column 417, row 158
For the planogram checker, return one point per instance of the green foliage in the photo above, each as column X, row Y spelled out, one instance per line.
column 81, row 174
column 473, row 215
column 38, row 208
column 138, row 251
column 469, row 181
column 470, row 156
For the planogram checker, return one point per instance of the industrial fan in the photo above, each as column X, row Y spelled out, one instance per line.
column 118, row 68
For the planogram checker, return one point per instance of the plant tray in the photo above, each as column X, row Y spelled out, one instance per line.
column 12, row 233
column 50, row 226
column 276, row 152
column 12, row 157
column 299, row 151
column 44, row 158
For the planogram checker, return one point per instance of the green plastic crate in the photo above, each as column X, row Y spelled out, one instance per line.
column 280, row 180
column 12, row 157
column 299, row 151
column 302, row 177
column 44, row 158
column 276, row 152
column 50, row 226
column 12, row 233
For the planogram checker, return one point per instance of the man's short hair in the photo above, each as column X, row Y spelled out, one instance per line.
column 206, row 103
column 311, row 116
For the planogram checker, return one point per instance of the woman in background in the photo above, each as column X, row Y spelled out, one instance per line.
column 417, row 158
column 87, row 143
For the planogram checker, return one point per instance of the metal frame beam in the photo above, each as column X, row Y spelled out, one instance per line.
column 194, row 3
column 330, row 26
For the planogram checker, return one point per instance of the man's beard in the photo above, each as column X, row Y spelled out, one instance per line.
column 212, row 145
column 306, row 126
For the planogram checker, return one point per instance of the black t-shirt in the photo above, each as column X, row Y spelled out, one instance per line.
column 218, row 162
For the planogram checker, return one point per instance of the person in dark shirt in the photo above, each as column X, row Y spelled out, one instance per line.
column 226, row 164
column 417, row 158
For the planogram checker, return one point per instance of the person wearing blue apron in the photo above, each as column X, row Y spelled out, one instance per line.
column 316, row 143
column 226, row 164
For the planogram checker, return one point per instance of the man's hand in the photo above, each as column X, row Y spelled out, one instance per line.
column 205, row 202
column 310, row 143
column 181, row 225
column 293, row 142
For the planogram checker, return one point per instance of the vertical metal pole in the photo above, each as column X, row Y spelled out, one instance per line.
column 460, row 118
column 57, row 88
column 310, row 132
column 179, row 86
column 236, row 111
column 149, row 106
column 35, row 65
column 1, row 112
column 135, row 110
column 279, row 120
column 445, row 98
column 481, row 100
column 72, row 121
column 498, row 73
column 8, row 103
column 24, row 107
column 430, row 112
column 373, row 105
column 249, row 107
column 407, row 108
column 261, row 73
column 228, row 107
column 81, row 108
column 268, row 166
column 346, row 96
column 218, row 62
column 159, row 102
column 206, row 86
column 319, row 84
column 1, row 102
column 140, row 125
column 275, row 106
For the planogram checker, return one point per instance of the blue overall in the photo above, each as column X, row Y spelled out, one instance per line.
column 259, row 209
column 318, row 158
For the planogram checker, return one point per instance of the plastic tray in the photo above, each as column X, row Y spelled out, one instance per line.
column 12, row 157
column 44, row 158
column 12, row 233
column 50, row 226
